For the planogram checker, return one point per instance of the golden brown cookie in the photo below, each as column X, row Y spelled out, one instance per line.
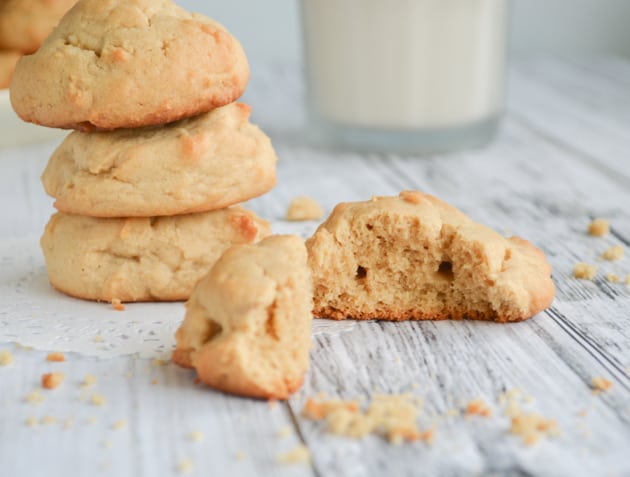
column 416, row 257
column 128, row 63
column 24, row 24
column 247, row 328
column 203, row 163
column 141, row 259
column 8, row 59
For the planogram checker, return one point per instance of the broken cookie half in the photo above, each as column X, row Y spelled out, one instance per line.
column 247, row 329
column 416, row 257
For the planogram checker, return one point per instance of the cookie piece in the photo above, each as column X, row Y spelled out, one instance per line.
column 247, row 328
column 24, row 24
column 141, row 259
column 203, row 163
column 128, row 63
column 416, row 257
column 8, row 59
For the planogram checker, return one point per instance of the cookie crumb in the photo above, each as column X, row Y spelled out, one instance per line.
column 52, row 380
column 31, row 421
column 158, row 362
column 119, row 424
column 294, row 456
column 532, row 427
column 97, row 339
column 284, row 432
column 613, row 253
column 599, row 227
column 184, row 466
column 196, row 436
column 600, row 384
column 88, row 381
column 304, row 208
column 47, row 420
column 393, row 417
column 92, row 420
column 478, row 407
column 154, row 382
column 240, row 455
column 107, row 444
column 34, row 397
column 56, row 357
column 584, row 271
column 6, row 358
column 68, row 423
column 98, row 400
column 613, row 277
column 117, row 305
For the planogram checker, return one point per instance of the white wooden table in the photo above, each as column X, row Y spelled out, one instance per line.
column 562, row 158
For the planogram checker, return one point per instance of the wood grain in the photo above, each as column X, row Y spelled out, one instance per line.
column 560, row 160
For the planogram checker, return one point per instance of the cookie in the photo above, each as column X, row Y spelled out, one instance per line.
column 247, row 329
column 128, row 63
column 141, row 259
column 24, row 24
column 8, row 59
column 416, row 257
column 203, row 163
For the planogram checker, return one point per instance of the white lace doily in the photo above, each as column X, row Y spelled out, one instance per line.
column 34, row 314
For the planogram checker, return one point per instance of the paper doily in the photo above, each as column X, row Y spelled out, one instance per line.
column 34, row 314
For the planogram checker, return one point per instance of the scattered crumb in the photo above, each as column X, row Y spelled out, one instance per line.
column 582, row 413
column 304, row 208
column 184, row 466
column 452, row 412
column 52, row 380
column 47, row 420
column 128, row 375
column 478, row 407
column 240, row 455
column 600, row 384
column 599, row 227
column 294, row 456
column 107, row 444
column 117, row 305
column 613, row 277
column 119, row 424
column 97, row 339
column 68, row 423
column 394, row 417
column 56, row 357
column 532, row 427
column 613, row 253
column 88, row 381
column 6, row 358
column 196, row 436
column 284, row 432
column 159, row 362
column 34, row 397
column 98, row 400
column 584, row 271
column 31, row 421
column 92, row 420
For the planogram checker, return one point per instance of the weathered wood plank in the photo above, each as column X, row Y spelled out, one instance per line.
column 160, row 407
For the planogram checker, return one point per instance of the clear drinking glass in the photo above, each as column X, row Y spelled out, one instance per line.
column 411, row 76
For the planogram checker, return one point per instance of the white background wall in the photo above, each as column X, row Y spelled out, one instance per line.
column 270, row 29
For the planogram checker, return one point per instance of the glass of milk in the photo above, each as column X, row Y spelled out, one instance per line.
column 411, row 76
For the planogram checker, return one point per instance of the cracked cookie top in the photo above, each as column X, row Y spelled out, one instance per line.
column 128, row 63
column 203, row 163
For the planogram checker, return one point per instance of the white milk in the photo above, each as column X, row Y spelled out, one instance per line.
column 405, row 64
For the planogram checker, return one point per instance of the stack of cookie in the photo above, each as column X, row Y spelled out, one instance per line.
column 23, row 26
column 145, row 186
